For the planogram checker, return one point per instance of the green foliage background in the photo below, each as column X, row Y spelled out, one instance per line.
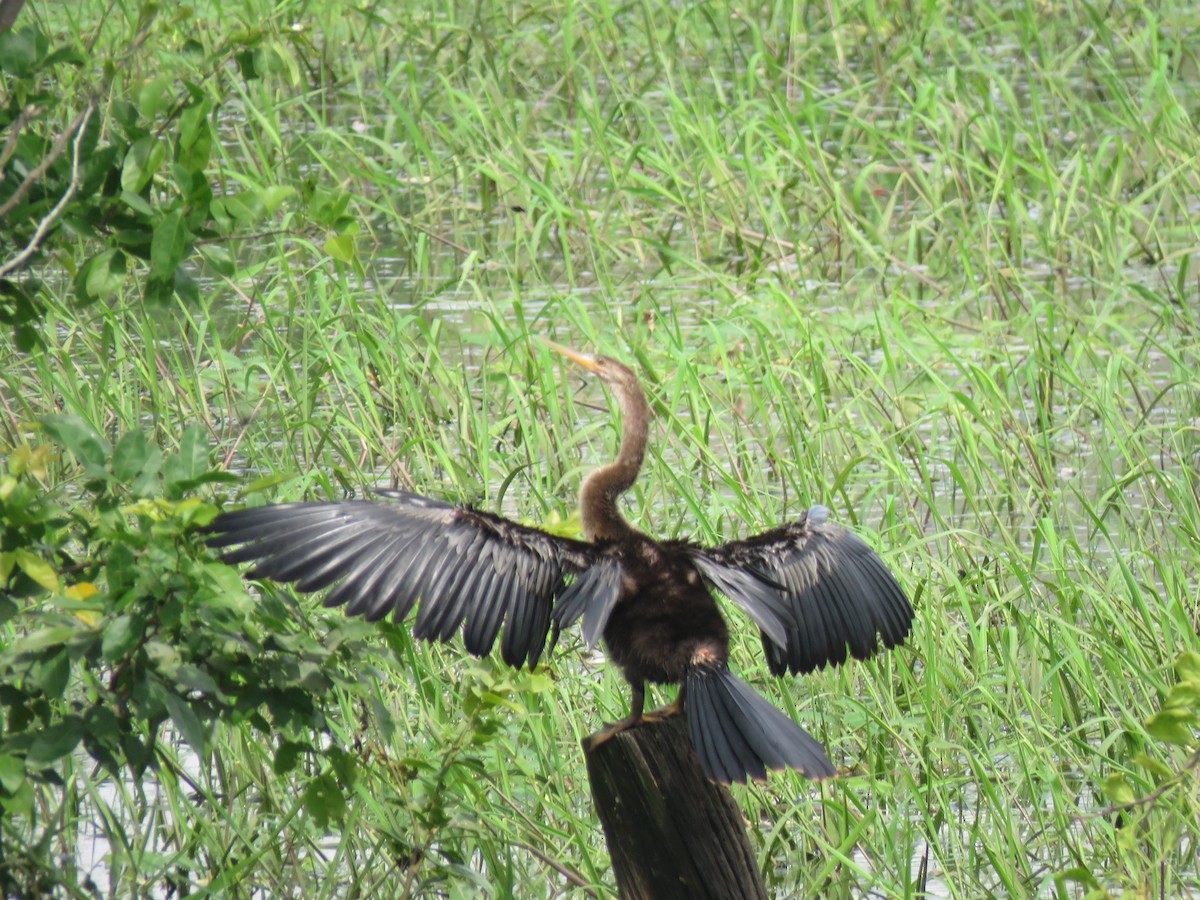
column 930, row 265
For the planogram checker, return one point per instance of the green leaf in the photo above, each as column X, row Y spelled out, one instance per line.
column 245, row 62
column 120, row 636
column 343, row 248
column 275, row 58
column 153, row 97
column 168, row 246
column 311, row 676
column 138, row 204
column 137, row 462
column 26, row 338
column 37, row 568
column 51, row 675
column 1187, row 666
column 86, row 444
column 187, row 722
column 193, row 123
column 273, row 197
column 122, row 570
column 20, row 804
column 157, row 291
column 185, row 286
column 265, row 483
column 102, row 738
column 244, row 206
column 191, row 678
column 12, row 773
column 328, row 206
column 141, row 162
column 1080, row 875
column 1184, row 696
column 187, row 467
column 163, row 657
column 221, row 260
column 138, row 753
column 287, row 756
column 102, row 725
column 536, row 683
column 345, row 765
column 55, row 742
column 101, row 276
column 50, row 636
column 132, row 454
column 1173, row 726
column 1158, row 769
column 324, row 801
column 22, row 50
column 1118, row 789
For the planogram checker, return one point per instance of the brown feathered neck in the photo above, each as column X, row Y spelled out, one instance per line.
column 598, row 495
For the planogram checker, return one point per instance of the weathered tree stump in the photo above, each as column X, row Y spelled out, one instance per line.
column 671, row 832
column 8, row 12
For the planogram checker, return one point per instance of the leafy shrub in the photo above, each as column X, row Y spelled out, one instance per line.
column 117, row 626
column 126, row 171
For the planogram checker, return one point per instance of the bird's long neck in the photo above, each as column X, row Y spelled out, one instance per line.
column 598, row 496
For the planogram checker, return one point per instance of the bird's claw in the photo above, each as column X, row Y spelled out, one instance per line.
column 633, row 720
column 674, row 708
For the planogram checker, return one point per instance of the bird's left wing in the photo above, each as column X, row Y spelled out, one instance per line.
column 815, row 590
column 468, row 568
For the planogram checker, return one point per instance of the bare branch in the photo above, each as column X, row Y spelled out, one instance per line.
column 78, row 126
column 14, row 132
column 1190, row 766
column 60, row 144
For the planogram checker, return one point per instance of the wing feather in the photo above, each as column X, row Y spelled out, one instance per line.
column 817, row 592
column 358, row 590
column 483, row 624
column 593, row 595
column 508, row 592
column 468, row 570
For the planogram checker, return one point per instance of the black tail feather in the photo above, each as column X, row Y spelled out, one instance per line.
column 739, row 735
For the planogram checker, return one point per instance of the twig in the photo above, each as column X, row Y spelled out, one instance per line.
column 79, row 125
column 56, row 151
column 1189, row 767
column 14, row 133
column 570, row 874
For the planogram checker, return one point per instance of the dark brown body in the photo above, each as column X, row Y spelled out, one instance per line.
column 667, row 620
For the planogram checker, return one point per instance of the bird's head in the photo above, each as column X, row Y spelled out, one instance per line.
column 607, row 369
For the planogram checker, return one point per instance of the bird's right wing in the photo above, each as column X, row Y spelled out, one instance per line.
column 468, row 568
column 816, row 591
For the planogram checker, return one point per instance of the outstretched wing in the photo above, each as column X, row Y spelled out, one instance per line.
column 468, row 568
column 816, row 590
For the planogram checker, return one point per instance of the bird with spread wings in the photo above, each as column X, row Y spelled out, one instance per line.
column 816, row 591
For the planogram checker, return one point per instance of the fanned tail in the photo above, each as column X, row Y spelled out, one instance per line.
column 738, row 734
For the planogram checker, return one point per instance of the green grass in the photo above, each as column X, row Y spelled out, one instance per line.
column 930, row 265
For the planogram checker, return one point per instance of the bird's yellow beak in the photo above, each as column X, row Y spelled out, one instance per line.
column 584, row 359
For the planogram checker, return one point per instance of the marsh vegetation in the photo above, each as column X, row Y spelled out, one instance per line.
column 929, row 265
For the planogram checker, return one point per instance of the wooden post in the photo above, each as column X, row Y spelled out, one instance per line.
column 8, row 12
column 671, row 832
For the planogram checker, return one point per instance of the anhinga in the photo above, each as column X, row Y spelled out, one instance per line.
column 815, row 590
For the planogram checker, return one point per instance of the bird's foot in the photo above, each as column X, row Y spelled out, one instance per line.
column 674, row 708
column 610, row 730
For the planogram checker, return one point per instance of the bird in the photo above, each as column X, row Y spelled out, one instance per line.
column 816, row 591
